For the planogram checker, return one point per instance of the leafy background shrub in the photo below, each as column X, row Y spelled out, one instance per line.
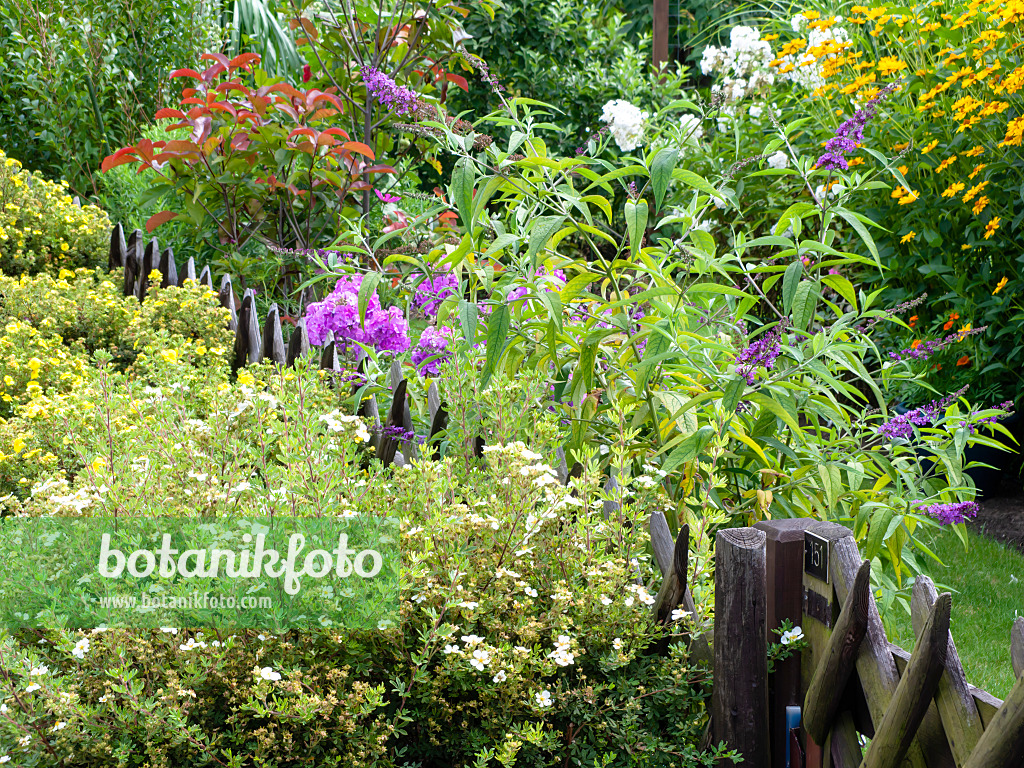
column 80, row 78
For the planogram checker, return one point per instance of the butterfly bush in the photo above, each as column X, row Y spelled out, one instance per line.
column 384, row 329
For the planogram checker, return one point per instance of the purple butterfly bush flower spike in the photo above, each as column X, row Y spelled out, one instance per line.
column 393, row 97
column 901, row 426
column 761, row 353
column 851, row 133
column 951, row 513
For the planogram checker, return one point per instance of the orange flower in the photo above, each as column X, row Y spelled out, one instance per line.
column 952, row 319
column 913, row 322
column 915, row 344
column 963, row 360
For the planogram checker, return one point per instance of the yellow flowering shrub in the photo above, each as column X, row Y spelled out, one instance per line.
column 85, row 308
column 35, row 364
column 41, row 227
column 180, row 328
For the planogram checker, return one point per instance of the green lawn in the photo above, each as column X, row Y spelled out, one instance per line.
column 985, row 602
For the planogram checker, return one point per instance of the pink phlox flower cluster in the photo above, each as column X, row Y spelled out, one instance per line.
column 433, row 348
column 431, row 292
column 385, row 329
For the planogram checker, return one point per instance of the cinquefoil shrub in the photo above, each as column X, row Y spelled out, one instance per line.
column 41, row 227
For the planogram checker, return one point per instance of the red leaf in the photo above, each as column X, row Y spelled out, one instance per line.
column 379, row 169
column 157, row 219
column 218, row 57
column 458, row 80
column 168, row 112
column 336, row 132
column 243, row 60
column 121, row 157
column 358, row 146
column 186, row 73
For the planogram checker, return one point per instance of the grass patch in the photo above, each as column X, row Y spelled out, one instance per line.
column 985, row 602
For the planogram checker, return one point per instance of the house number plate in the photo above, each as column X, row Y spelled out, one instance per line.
column 816, row 556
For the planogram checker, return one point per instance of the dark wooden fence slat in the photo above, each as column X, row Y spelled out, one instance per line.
column 895, row 734
column 673, row 585
column 206, row 277
column 248, row 346
column 843, row 745
column 298, row 343
column 957, row 710
column 784, row 570
column 739, row 697
column 118, row 249
column 273, row 339
column 876, row 669
column 825, row 691
column 168, row 268
column 150, row 261
column 188, row 272
column 133, row 263
column 226, row 294
column 1017, row 646
column 328, row 354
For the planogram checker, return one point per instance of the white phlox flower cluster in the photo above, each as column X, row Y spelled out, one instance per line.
column 691, row 131
column 744, row 64
column 778, row 160
column 805, row 68
column 626, row 123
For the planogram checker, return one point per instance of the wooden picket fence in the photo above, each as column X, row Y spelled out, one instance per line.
column 851, row 684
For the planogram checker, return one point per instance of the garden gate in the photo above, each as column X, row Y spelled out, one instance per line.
column 916, row 708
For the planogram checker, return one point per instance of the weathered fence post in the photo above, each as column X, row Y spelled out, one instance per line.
column 956, row 707
column 739, row 699
column 784, row 568
column 118, row 249
column 1017, row 646
column 876, row 667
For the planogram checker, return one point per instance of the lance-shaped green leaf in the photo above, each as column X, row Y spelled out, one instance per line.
column 461, row 191
column 497, row 333
column 468, row 314
column 543, row 230
column 689, row 449
column 789, row 283
column 366, row 291
column 661, row 172
column 636, row 224
column 658, row 343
